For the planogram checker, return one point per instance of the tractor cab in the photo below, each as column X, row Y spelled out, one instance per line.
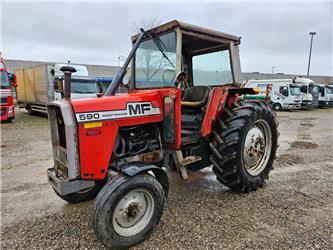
column 195, row 60
column 207, row 58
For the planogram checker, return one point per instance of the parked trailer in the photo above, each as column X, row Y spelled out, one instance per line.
column 325, row 96
column 41, row 84
column 310, row 92
column 283, row 93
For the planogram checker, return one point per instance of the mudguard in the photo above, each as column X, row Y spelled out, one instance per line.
column 138, row 168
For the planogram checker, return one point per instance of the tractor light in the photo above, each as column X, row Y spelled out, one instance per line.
column 93, row 128
column 92, row 125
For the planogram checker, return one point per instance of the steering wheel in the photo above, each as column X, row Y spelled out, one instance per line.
column 168, row 75
column 180, row 82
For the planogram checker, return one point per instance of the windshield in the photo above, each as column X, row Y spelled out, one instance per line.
column 4, row 80
column 154, row 68
column 83, row 86
column 329, row 90
column 313, row 89
column 294, row 90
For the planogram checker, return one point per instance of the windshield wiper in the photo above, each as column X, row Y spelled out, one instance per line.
column 159, row 44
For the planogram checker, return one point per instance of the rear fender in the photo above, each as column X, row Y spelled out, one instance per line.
column 219, row 98
column 140, row 168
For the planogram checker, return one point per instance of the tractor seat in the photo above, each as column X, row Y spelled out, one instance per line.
column 195, row 97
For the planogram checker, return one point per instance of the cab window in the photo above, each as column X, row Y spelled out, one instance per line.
column 212, row 69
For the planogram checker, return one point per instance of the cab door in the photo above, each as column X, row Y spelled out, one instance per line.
column 171, row 101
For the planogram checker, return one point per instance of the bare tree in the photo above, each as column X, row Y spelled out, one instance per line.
column 149, row 55
column 146, row 24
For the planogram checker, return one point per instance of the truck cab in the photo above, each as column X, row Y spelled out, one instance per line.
column 310, row 92
column 7, row 82
column 83, row 86
column 283, row 93
column 325, row 96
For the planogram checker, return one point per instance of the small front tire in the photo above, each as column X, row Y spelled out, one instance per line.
column 277, row 107
column 127, row 210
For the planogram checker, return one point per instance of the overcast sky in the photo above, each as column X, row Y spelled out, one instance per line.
column 273, row 34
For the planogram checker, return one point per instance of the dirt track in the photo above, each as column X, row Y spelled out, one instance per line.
column 293, row 210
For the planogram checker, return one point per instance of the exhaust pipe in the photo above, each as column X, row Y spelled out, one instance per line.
column 67, row 70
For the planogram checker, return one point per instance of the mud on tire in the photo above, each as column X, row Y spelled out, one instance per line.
column 230, row 135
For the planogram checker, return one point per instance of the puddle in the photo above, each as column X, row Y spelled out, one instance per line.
column 303, row 145
column 288, row 159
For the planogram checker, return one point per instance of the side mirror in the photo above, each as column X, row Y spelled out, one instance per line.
column 12, row 79
column 180, row 77
column 59, row 86
column 286, row 92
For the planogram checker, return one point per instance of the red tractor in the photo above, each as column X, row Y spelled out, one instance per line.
column 182, row 111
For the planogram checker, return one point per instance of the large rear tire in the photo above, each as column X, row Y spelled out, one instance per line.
column 127, row 209
column 244, row 145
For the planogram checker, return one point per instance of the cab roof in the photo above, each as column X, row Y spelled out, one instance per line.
column 193, row 30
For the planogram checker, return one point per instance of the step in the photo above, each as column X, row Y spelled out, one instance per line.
column 190, row 159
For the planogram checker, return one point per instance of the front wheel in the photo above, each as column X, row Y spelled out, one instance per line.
column 277, row 106
column 244, row 146
column 127, row 210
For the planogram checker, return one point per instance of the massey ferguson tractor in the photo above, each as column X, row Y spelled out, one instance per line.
column 182, row 111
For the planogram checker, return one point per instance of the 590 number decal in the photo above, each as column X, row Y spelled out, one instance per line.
column 89, row 116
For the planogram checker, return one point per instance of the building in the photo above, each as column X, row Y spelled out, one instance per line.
column 104, row 70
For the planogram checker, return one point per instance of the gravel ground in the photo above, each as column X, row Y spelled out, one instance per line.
column 294, row 210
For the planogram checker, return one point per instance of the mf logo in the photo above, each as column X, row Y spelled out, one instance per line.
column 139, row 108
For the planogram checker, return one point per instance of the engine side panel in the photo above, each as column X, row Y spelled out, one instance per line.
column 99, row 120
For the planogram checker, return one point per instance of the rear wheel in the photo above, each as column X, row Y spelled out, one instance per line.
column 127, row 210
column 244, row 146
column 30, row 111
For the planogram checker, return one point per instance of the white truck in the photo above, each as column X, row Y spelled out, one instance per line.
column 40, row 84
column 283, row 93
column 325, row 96
column 310, row 92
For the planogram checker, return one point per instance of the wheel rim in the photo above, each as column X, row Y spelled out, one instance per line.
column 133, row 212
column 257, row 147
